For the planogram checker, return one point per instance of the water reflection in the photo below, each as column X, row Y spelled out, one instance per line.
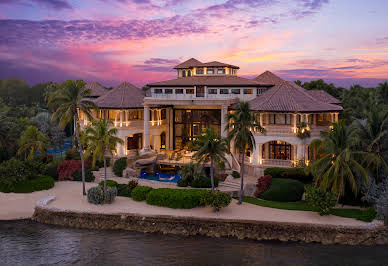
column 29, row 243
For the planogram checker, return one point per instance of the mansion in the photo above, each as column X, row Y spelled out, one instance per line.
column 171, row 113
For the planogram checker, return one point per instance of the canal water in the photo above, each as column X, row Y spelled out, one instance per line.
column 30, row 243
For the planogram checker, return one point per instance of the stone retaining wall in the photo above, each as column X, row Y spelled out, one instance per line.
column 241, row 229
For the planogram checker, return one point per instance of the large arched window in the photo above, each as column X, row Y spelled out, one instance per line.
column 189, row 73
column 184, row 73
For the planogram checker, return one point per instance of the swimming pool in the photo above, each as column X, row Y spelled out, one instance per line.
column 161, row 177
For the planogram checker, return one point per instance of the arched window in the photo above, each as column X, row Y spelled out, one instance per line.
column 189, row 73
column 183, row 73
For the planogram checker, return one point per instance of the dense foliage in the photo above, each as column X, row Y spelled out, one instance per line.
column 284, row 190
column 109, row 183
column 68, row 167
column 96, row 195
column 89, row 177
column 119, row 166
column 204, row 182
column 139, row 193
column 34, row 184
column 235, row 174
column 290, row 173
column 320, row 200
column 175, row 198
column 217, row 200
column 263, row 183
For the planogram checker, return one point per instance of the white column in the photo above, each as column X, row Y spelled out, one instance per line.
column 300, row 152
column 224, row 111
column 295, row 117
column 257, row 154
column 261, row 119
column 335, row 117
column 146, row 127
column 121, row 117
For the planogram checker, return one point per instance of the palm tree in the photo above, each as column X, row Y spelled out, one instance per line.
column 372, row 136
column 70, row 99
column 241, row 124
column 32, row 141
column 339, row 164
column 101, row 139
column 190, row 171
column 210, row 148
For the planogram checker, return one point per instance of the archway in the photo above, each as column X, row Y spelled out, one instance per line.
column 277, row 150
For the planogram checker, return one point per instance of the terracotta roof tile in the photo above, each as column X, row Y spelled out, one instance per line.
column 123, row 96
column 227, row 80
column 323, row 96
column 96, row 88
column 269, row 77
column 192, row 62
column 289, row 97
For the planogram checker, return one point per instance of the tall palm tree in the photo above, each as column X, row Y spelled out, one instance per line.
column 32, row 141
column 210, row 148
column 372, row 136
column 70, row 99
column 100, row 140
column 340, row 164
column 241, row 124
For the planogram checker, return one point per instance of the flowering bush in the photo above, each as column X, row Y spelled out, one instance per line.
column 263, row 184
column 67, row 168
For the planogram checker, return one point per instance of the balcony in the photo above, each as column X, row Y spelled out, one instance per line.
column 198, row 96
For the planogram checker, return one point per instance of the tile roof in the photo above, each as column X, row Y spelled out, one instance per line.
column 123, row 96
column 324, row 96
column 269, row 77
column 192, row 62
column 96, row 88
column 227, row 80
column 289, row 97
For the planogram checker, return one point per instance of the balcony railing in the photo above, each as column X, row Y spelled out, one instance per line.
column 277, row 163
column 200, row 96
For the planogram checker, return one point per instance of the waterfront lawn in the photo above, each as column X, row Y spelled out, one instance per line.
column 367, row 215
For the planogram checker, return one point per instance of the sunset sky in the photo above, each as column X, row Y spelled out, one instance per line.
column 110, row 41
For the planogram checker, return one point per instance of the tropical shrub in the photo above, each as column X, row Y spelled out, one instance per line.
column 96, row 195
column 51, row 169
column 132, row 184
column 320, row 200
column 119, row 165
column 67, row 168
column 139, row 193
column 13, row 172
column 283, row 190
column 123, row 190
column 290, row 173
column 203, row 182
column 218, row 200
column 100, row 163
column 109, row 183
column 35, row 184
column 72, row 154
column 175, row 198
column 235, row 174
column 182, row 182
column 263, row 184
column 89, row 177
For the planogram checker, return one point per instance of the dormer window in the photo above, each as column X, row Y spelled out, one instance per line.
column 184, row 73
column 210, row 71
column 199, row 71
column 189, row 73
column 221, row 71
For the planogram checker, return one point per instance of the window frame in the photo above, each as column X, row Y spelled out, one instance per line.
column 224, row 91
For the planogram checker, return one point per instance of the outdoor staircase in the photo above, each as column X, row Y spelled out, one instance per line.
column 109, row 174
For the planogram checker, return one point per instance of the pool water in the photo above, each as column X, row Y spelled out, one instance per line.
column 161, row 177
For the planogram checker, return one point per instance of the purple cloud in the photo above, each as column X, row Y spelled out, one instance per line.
column 158, row 65
column 52, row 4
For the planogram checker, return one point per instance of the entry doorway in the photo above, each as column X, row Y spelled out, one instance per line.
column 135, row 142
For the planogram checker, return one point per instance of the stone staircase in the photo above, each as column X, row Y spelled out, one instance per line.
column 100, row 174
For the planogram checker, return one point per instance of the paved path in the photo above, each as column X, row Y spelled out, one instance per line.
column 69, row 197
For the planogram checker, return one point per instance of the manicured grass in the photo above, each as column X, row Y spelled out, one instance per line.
column 362, row 215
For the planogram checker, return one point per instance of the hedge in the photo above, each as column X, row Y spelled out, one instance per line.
column 284, row 190
column 290, row 173
column 139, row 193
column 109, row 183
column 119, row 165
column 36, row 184
column 204, row 182
column 175, row 198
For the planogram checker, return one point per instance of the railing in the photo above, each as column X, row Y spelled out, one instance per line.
column 275, row 162
column 200, row 96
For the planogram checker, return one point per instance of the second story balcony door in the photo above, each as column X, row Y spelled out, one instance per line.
column 200, row 91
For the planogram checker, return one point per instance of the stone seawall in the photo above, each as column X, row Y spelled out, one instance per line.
column 189, row 226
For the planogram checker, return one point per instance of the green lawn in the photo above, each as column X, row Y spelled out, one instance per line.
column 362, row 215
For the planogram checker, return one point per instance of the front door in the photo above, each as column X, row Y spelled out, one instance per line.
column 134, row 142
column 200, row 91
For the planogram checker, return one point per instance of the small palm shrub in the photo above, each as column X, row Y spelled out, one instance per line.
column 109, row 183
column 89, row 177
column 320, row 200
column 204, row 182
column 263, row 184
column 139, row 193
column 235, row 174
column 176, row 198
column 217, row 201
column 283, row 190
column 96, row 195
column 119, row 165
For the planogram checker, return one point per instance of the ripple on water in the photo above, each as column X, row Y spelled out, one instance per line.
column 30, row 243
